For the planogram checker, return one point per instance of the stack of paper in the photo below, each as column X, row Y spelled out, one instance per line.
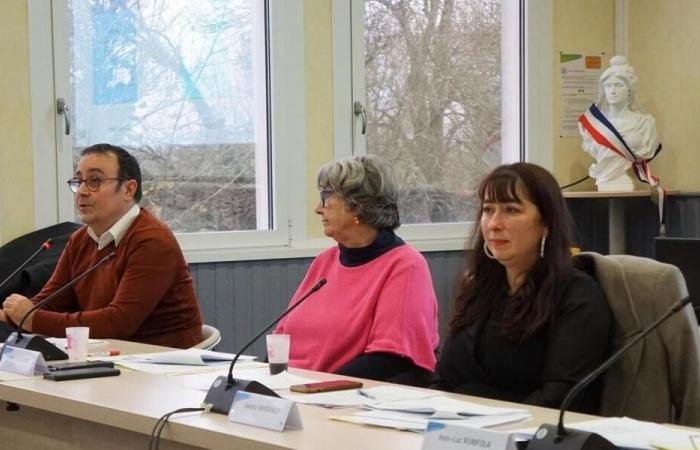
column 62, row 343
column 629, row 433
column 283, row 380
column 418, row 423
column 411, row 409
column 190, row 356
column 180, row 361
column 441, row 407
column 358, row 397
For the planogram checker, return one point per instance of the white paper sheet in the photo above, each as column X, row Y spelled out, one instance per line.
column 395, row 393
column 203, row 381
column 358, row 397
column 190, row 356
column 178, row 369
column 630, row 433
column 441, row 407
column 334, row 399
column 62, row 344
column 414, row 422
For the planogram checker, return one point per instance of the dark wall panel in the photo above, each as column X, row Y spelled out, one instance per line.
column 590, row 215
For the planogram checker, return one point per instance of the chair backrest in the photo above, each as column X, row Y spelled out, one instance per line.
column 30, row 280
column 210, row 338
column 682, row 253
column 658, row 379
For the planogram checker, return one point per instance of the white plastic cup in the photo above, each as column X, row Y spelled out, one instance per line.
column 277, row 352
column 77, row 343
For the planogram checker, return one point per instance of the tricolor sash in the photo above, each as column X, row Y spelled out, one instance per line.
column 605, row 134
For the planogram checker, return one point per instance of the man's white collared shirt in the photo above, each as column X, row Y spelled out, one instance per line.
column 118, row 230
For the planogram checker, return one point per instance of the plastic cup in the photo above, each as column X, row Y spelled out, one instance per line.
column 277, row 352
column 77, row 343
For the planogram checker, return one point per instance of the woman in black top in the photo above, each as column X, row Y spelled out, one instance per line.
column 527, row 325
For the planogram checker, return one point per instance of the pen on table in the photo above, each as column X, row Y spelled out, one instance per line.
column 365, row 393
column 101, row 354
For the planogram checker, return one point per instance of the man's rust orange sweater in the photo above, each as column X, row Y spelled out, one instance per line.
column 144, row 294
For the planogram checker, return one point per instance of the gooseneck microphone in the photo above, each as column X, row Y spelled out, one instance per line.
column 45, row 246
column 224, row 388
column 5, row 328
column 32, row 342
column 550, row 437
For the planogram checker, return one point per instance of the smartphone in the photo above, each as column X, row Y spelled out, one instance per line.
column 76, row 374
column 79, row 365
column 325, row 386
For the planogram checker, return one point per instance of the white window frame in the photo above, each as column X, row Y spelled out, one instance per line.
column 534, row 138
column 52, row 165
column 291, row 239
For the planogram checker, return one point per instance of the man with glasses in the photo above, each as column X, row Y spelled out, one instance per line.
column 143, row 294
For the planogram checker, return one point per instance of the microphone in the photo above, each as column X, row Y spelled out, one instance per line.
column 224, row 388
column 5, row 328
column 558, row 437
column 38, row 343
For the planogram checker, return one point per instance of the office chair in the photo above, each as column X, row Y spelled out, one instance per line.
column 682, row 253
column 659, row 378
column 30, row 280
column 210, row 338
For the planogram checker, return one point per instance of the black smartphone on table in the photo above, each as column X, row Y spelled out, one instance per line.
column 76, row 374
column 71, row 365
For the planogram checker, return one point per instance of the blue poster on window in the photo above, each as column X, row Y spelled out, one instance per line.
column 114, row 77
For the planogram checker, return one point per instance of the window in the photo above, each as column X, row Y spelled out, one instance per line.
column 211, row 96
column 182, row 85
column 435, row 89
column 196, row 91
column 433, row 93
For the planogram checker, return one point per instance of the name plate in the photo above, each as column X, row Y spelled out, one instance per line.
column 265, row 412
column 23, row 362
column 452, row 436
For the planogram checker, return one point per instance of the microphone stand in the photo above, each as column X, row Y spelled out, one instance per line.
column 223, row 390
column 558, row 437
column 38, row 343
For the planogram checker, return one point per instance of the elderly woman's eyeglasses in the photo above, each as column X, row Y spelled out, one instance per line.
column 325, row 194
column 93, row 183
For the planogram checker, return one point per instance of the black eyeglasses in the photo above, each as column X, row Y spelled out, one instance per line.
column 92, row 183
column 325, row 194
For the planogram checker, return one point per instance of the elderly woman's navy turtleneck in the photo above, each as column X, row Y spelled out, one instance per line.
column 353, row 257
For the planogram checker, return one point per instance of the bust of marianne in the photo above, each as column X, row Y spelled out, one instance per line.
column 616, row 132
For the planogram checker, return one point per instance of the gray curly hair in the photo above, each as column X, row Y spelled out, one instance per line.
column 368, row 185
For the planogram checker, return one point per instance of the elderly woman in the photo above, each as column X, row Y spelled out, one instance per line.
column 527, row 325
column 377, row 315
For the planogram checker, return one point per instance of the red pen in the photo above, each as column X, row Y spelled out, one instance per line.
column 102, row 354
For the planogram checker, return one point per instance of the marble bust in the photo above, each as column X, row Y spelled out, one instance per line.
column 617, row 133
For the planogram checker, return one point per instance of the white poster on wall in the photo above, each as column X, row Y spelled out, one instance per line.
column 579, row 88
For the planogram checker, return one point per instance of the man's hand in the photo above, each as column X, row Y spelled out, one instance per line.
column 15, row 307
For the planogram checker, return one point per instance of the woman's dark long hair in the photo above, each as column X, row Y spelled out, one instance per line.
column 530, row 307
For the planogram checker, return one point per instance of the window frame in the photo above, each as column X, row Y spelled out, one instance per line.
column 52, row 152
column 529, row 82
column 291, row 237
